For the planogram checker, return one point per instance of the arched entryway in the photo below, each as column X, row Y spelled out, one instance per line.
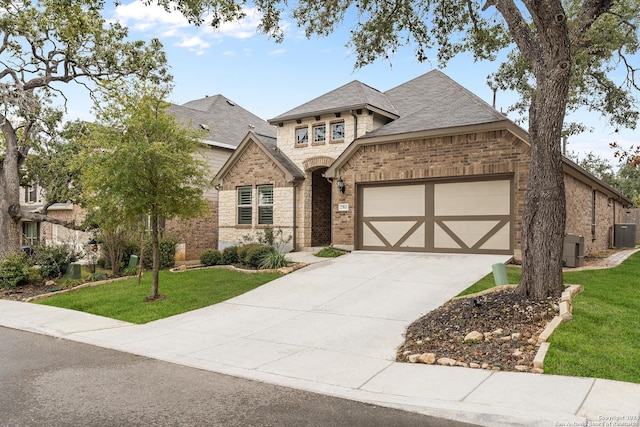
column 320, row 209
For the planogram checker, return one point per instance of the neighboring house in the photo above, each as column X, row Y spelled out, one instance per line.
column 426, row 166
column 31, row 200
column 224, row 124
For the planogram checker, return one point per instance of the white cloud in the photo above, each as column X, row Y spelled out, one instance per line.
column 229, row 53
column 153, row 19
column 276, row 52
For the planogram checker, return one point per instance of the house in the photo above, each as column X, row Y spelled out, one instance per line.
column 426, row 166
column 31, row 200
column 224, row 124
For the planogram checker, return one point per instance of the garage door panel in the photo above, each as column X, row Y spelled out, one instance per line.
column 472, row 198
column 397, row 200
column 394, row 234
column 462, row 216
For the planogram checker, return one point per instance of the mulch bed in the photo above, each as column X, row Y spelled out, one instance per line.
column 22, row 292
column 510, row 325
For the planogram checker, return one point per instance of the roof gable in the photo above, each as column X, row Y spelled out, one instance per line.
column 223, row 120
column 354, row 95
column 268, row 146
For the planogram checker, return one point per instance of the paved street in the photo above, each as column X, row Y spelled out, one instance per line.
column 55, row 382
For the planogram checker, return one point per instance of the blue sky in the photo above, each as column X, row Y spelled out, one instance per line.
column 268, row 78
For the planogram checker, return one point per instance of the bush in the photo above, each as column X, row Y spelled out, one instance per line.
column 129, row 271
column 15, row 270
column 167, row 253
column 210, row 257
column 330, row 252
column 53, row 260
column 230, row 255
column 273, row 260
column 253, row 253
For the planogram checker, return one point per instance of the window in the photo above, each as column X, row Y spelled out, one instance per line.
column 302, row 136
column 337, row 131
column 244, row 205
column 31, row 194
column 319, row 134
column 265, row 204
column 30, row 233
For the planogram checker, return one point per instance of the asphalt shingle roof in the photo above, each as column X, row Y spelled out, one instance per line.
column 434, row 101
column 227, row 122
column 353, row 95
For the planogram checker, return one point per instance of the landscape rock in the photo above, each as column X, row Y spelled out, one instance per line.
column 473, row 337
column 445, row 361
column 413, row 358
column 427, row 358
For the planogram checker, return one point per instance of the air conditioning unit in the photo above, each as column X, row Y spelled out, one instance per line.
column 624, row 235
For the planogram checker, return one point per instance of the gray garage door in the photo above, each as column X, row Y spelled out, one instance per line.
column 460, row 216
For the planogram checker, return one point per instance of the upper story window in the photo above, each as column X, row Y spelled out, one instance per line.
column 31, row 193
column 265, row 204
column 319, row 134
column 337, row 131
column 302, row 136
column 244, row 205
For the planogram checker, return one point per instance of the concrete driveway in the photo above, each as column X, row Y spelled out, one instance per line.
column 337, row 322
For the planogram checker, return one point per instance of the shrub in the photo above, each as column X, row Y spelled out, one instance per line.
column 330, row 252
column 97, row 276
column 15, row 270
column 167, row 253
column 253, row 253
column 53, row 260
column 210, row 257
column 230, row 255
column 273, row 260
column 129, row 271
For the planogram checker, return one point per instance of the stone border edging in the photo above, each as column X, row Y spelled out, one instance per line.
column 282, row 270
column 75, row 288
column 565, row 314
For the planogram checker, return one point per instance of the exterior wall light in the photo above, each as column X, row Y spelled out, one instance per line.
column 341, row 186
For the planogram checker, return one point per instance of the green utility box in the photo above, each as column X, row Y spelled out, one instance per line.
column 133, row 261
column 500, row 274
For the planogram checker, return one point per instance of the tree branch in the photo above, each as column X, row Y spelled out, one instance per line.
column 16, row 213
column 519, row 30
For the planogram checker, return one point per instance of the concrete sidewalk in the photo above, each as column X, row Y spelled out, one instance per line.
column 333, row 328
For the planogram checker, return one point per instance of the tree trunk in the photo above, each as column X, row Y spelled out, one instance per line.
column 543, row 222
column 9, row 193
column 155, row 245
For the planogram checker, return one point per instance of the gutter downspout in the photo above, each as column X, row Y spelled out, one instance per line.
column 295, row 215
column 355, row 125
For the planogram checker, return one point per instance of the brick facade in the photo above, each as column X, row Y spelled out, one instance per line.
column 197, row 234
column 469, row 155
column 581, row 211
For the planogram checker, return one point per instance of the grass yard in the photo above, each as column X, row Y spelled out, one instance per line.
column 603, row 339
column 186, row 291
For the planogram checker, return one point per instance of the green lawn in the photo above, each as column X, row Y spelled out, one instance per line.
column 603, row 339
column 186, row 291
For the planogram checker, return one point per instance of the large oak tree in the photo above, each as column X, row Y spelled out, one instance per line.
column 43, row 45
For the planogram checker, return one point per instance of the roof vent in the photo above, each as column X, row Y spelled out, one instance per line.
column 231, row 103
column 204, row 126
column 251, row 126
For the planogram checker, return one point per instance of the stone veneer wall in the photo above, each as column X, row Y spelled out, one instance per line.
column 253, row 168
column 299, row 153
column 579, row 214
column 468, row 155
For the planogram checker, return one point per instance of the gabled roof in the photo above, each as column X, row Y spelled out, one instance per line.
column 268, row 145
column 434, row 101
column 352, row 96
column 225, row 122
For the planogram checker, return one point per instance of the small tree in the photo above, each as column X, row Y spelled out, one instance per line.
column 142, row 161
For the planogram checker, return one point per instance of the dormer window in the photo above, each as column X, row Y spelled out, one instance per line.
column 337, row 131
column 319, row 134
column 302, row 135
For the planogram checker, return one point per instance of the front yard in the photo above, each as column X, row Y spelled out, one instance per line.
column 185, row 291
